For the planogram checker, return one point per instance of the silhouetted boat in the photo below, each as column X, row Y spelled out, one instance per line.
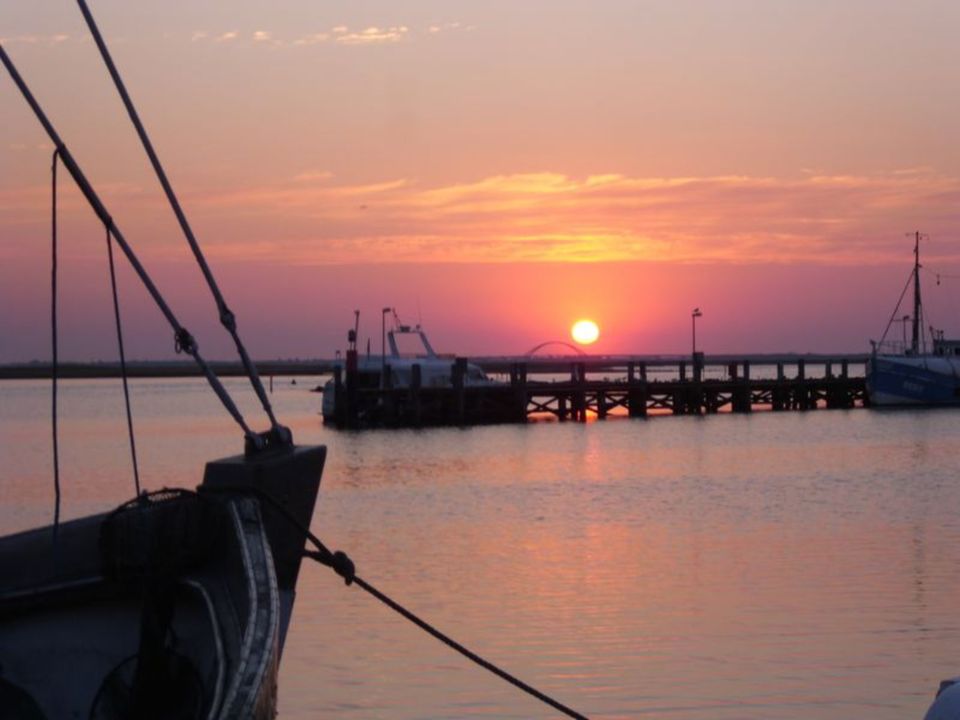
column 400, row 370
column 177, row 603
column 174, row 605
column 906, row 373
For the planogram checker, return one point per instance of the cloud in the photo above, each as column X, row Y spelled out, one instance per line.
column 52, row 39
column 342, row 35
column 310, row 218
column 339, row 34
column 373, row 35
column 312, row 39
column 551, row 216
column 437, row 28
column 313, row 176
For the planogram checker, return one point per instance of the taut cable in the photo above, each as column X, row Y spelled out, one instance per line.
column 227, row 318
column 344, row 567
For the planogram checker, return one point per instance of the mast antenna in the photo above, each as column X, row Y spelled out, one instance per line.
column 916, row 336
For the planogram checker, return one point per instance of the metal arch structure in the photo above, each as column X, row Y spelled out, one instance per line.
column 564, row 343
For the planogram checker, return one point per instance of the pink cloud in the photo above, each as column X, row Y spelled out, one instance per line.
column 311, row 219
column 551, row 216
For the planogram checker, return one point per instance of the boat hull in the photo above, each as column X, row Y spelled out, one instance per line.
column 913, row 380
column 173, row 606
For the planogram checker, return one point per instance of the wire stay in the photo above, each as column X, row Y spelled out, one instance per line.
column 227, row 318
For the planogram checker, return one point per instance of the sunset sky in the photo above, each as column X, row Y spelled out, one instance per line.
column 498, row 169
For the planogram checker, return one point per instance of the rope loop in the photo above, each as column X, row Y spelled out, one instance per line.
column 123, row 359
column 54, row 360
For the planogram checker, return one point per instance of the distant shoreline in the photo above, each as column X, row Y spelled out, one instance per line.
column 181, row 368
column 160, row 369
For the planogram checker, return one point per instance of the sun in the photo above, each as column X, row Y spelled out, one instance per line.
column 585, row 332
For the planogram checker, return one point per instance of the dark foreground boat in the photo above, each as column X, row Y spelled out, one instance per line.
column 174, row 605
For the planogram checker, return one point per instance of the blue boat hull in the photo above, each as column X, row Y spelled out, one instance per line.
column 913, row 380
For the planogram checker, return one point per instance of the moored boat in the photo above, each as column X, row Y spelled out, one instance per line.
column 907, row 372
column 177, row 603
column 174, row 605
column 399, row 367
column 913, row 380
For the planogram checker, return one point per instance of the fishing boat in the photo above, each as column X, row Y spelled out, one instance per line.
column 175, row 604
column 911, row 372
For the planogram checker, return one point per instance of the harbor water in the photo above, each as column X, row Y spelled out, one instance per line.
column 796, row 566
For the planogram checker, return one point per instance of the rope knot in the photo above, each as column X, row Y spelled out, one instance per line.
column 339, row 561
column 343, row 566
column 228, row 319
column 183, row 342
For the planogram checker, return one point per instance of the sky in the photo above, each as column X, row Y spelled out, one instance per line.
column 496, row 170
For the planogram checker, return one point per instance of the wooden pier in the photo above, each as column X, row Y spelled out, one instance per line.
column 573, row 390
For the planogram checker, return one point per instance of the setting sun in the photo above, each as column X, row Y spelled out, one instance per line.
column 585, row 332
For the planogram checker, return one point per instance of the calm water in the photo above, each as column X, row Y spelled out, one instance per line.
column 802, row 566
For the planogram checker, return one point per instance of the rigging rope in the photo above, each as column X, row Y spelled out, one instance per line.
column 939, row 275
column 227, row 318
column 184, row 339
column 55, row 365
column 893, row 316
column 344, row 567
column 123, row 365
column 337, row 566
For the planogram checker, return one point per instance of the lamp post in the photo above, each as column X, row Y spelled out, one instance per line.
column 693, row 316
column 383, row 345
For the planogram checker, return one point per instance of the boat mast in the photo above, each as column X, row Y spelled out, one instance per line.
column 917, row 305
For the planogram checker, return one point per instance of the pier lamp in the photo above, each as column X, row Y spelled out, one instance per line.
column 693, row 316
column 383, row 343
